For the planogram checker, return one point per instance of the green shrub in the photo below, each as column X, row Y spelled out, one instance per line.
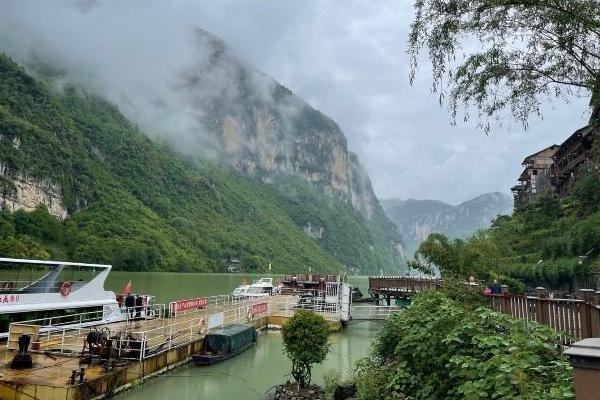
column 459, row 291
column 440, row 349
column 305, row 342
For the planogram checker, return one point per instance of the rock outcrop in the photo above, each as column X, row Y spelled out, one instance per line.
column 262, row 129
column 19, row 192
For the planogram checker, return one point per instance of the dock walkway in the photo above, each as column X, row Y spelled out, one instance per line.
column 168, row 342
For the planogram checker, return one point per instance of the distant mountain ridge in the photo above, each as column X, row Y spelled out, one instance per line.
column 416, row 219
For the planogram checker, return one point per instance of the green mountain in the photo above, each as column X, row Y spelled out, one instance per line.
column 79, row 181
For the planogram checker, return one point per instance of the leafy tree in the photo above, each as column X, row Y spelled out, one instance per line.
column 586, row 189
column 7, row 225
column 496, row 55
column 436, row 252
column 305, row 342
column 459, row 258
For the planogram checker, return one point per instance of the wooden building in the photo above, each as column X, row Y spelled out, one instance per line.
column 571, row 159
column 535, row 180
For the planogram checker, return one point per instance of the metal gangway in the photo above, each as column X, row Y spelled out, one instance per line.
column 373, row 312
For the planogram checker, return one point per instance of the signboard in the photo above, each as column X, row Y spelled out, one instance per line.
column 10, row 299
column 187, row 304
column 215, row 320
column 259, row 308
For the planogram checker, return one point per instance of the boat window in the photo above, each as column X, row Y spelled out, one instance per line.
column 23, row 277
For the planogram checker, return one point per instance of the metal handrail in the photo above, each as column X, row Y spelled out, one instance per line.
column 179, row 330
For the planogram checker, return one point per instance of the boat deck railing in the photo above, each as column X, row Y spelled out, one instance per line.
column 190, row 326
column 328, row 307
column 66, row 333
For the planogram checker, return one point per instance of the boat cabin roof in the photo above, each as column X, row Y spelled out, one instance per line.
column 265, row 280
column 229, row 338
column 231, row 330
column 47, row 262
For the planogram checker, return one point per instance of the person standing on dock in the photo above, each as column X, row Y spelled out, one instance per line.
column 129, row 305
column 138, row 306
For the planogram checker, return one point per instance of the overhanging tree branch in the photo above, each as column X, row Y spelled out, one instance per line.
column 530, row 50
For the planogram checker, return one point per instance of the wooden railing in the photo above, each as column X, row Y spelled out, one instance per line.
column 578, row 318
column 409, row 284
column 311, row 278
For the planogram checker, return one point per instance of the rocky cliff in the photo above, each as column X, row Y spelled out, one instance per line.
column 416, row 219
column 243, row 118
column 227, row 111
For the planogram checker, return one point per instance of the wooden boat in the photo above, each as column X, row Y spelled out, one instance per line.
column 225, row 343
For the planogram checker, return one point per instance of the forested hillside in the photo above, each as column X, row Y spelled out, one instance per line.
column 138, row 205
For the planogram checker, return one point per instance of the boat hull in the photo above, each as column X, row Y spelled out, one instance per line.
column 210, row 359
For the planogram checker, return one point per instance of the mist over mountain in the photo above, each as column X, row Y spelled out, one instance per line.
column 416, row 219
column 184, row 88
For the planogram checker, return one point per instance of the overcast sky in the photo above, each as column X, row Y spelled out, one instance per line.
column 348, row 59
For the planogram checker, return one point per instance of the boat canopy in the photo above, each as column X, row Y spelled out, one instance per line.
column 19, row 276
column 230, row 338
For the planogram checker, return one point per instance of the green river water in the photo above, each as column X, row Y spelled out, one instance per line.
column 249, row 375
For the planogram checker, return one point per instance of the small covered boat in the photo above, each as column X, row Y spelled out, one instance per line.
column 225, row 343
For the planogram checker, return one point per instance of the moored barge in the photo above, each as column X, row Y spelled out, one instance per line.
column 225, row 343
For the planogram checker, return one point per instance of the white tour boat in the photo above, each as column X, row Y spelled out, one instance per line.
column 259, row 288
column 36, row 290
column 265, row 285
column 240, row 292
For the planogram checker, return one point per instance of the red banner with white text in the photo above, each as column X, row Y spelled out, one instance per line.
column 259, row 308
column 188, row 304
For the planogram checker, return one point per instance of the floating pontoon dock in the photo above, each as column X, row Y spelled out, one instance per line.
column 142, row 347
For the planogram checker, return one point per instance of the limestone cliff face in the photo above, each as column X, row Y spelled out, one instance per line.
column 19, row 192
column 263, row 129
column 361, row 191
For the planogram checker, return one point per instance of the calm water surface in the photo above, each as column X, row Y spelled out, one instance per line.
column 169, row 286
column 249, row 375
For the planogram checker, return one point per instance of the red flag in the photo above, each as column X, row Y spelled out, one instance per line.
column 128, row 288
